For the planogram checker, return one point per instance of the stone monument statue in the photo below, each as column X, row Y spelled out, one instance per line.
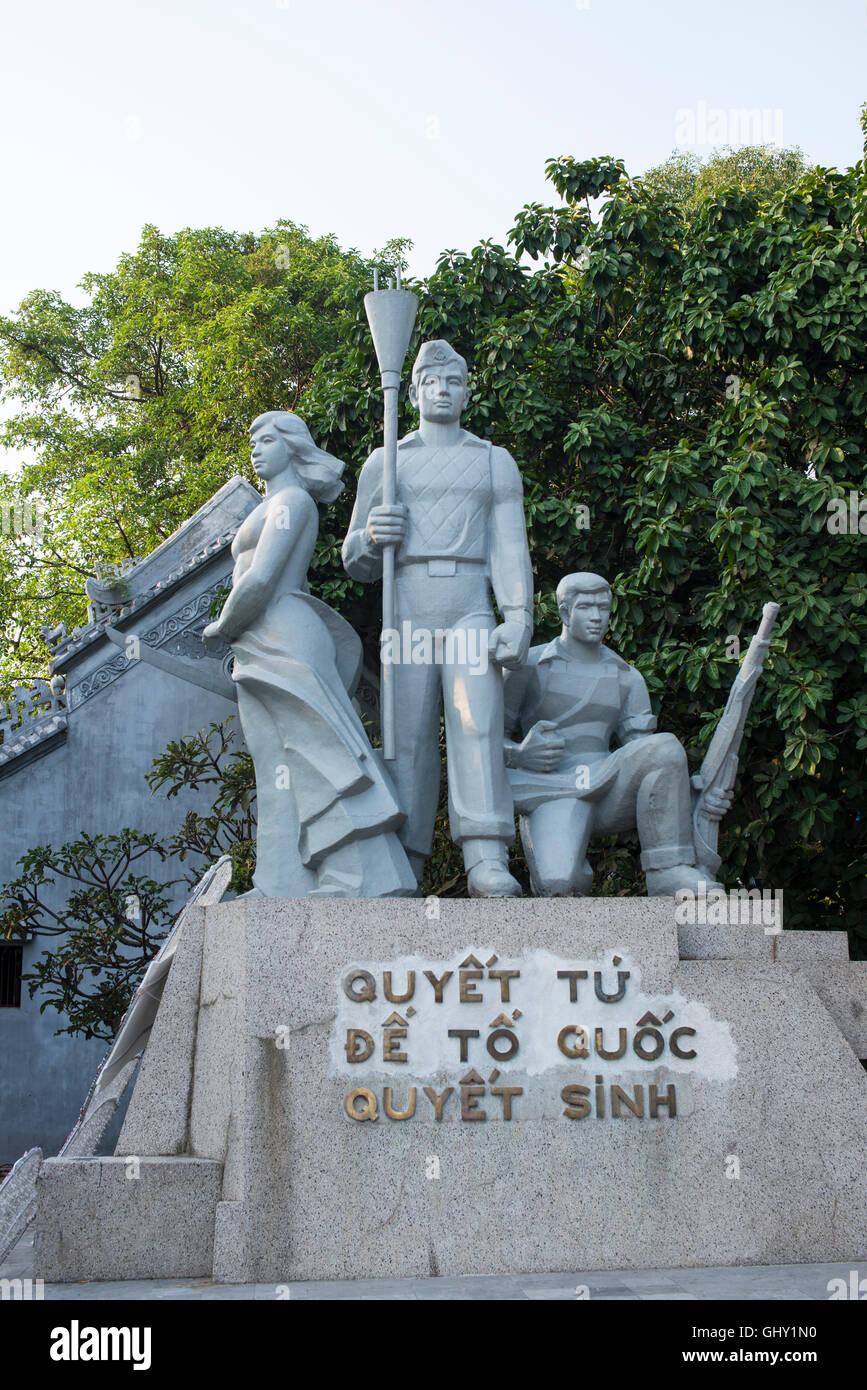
column 565, row 705
column 457, row 529
column 261, row 1162
column 322, row 797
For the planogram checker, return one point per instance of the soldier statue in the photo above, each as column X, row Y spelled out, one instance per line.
column 458, row 531
column 561, row 712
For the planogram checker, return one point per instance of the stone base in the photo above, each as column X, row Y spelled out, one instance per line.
column 762, row 1163
column 96, row 1220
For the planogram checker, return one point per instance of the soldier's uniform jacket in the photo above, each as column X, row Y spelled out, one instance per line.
column 590, row 704
column 465, row 538
column 450, row 493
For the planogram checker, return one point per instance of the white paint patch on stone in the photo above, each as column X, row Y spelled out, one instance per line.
column 542, row 1004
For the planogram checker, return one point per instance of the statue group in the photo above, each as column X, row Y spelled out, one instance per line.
column 528, row 729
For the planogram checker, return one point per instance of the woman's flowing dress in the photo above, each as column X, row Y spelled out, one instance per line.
column 307, row 740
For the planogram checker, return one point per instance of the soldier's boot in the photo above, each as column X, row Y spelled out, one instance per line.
column 692, row 878
column 576, row 886
column 671, row 867
column 487, row 866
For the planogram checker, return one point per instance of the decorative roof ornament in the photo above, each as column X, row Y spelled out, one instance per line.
column 107, row 592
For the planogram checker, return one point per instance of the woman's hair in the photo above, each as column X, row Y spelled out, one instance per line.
column 318, row 472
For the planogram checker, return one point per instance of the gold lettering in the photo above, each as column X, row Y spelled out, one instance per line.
column 356, row 1037
column 505, row 977
column 622, row 977
column 621, row 1045
column 675, row 1045
column 359, row 994
column 657, row 1044
column 468, row 993
column 573, row 976
column 390, row 1043
column 398, row 998
column 669, row 1100
column 368, row 1110
column 398, row 1114
column 506, row 1093
column 577, row 1104
column 438, row 1101
column 502, row 1035
column 470, row 1105
column 580, row 1049
column 438, row 985
column 464, row 1034
column 618, row 1096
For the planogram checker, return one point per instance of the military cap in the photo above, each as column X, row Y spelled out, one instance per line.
column 435, row 354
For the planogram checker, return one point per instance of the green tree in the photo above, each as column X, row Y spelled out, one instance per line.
column 683, row 385
column 136, row 404
column 695, row 381
column 110, row 920
column 211, row 759
column 685, row 179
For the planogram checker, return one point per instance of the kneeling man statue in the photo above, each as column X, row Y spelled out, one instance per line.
column 565, row 705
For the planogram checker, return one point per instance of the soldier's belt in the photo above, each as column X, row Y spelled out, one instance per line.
column 443, row 568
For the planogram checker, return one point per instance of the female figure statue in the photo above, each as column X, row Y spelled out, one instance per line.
column 327, row 814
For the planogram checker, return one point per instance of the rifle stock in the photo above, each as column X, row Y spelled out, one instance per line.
column 720, row 765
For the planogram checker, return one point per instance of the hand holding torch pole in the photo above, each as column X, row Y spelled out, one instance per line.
column 391, row 315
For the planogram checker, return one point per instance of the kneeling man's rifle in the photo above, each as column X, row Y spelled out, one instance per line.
column 720, row 766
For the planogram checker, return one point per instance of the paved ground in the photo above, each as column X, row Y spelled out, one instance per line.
column 760, row 1283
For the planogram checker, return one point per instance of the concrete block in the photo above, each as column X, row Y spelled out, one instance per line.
column 812, row 946
column 706, row 941
column 93, row 1221
column 842, row 988
column 157, row 1119
column 773, row 1085
column 608, row 1107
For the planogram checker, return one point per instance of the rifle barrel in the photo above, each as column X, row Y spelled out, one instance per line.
column 720, row 761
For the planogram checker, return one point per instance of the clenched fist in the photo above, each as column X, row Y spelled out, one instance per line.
column 509, row 643
column 387, row 525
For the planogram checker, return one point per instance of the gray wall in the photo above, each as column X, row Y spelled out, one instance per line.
column 95, row 782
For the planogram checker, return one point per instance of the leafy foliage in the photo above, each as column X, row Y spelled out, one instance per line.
column 110, row 918
column 762, row 169
column 693, row 373
column 210, row 758
column 136, row 405
column 681, row 377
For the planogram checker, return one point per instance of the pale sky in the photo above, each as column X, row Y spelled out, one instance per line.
column 379, row 119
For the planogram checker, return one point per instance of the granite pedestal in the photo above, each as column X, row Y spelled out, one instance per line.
column 718, row 1116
